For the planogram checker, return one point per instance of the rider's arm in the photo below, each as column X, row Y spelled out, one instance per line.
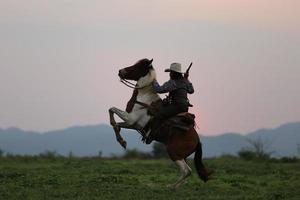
column 166, row 87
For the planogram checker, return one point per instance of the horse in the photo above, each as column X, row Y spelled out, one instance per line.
column 179, row 144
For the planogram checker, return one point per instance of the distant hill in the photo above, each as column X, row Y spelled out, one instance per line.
column 82, row 141
column 282, row 141
column 89, row 140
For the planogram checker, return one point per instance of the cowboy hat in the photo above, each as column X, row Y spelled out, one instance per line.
column 175, row 67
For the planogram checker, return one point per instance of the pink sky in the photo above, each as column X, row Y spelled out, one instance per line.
column 277, row 13
column 59, row 59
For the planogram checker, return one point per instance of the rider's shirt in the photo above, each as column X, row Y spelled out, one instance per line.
column 178, row 89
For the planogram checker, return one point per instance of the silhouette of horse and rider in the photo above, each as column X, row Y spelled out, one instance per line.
column 166, row 121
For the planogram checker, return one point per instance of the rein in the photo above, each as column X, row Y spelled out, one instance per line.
column 142, row 104
column 132, row 85
column 128, row 84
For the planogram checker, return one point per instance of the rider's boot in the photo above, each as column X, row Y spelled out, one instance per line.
column 148, row 138
column 147, row 130
column 155, row 124
column 147, row 134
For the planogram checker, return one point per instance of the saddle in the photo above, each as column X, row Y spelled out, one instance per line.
column 181, row 123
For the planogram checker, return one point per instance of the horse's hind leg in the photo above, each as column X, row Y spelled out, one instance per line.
column 117, row 126
column 185, row 171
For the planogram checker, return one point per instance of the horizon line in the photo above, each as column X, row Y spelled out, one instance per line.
column 105, row 124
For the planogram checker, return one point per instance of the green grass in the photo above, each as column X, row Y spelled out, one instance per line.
column 95, row 178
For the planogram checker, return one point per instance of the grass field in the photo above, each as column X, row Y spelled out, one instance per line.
column 96, row 178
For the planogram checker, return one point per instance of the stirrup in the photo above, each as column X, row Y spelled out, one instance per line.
column 147, row 137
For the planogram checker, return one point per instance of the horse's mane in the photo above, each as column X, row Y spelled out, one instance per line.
column 148, row 79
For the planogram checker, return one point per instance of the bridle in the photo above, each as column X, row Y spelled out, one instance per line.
column 132, row 85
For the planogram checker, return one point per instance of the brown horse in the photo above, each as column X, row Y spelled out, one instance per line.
column 180, row 144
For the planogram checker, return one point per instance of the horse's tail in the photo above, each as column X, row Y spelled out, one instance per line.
column 202, row 172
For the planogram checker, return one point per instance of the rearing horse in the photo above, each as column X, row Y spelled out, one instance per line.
column 180, row 144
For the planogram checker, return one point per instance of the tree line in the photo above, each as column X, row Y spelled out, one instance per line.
column 258, row 149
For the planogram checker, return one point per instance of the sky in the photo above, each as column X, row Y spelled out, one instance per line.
column 59, row 59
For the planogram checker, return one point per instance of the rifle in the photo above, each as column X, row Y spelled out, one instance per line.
column 186, row 74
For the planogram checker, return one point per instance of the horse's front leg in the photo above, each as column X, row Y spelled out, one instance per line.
column 117, row 126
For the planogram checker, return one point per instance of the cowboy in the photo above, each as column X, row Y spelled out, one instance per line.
column 177, row 102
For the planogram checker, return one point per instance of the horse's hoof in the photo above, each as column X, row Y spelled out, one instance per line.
column 123, row 143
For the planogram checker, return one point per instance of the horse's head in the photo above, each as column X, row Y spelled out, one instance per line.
column 136, row 71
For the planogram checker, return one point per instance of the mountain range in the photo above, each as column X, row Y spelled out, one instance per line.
column 91, row 140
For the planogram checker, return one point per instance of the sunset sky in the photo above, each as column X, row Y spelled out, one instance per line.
column 59, row 59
